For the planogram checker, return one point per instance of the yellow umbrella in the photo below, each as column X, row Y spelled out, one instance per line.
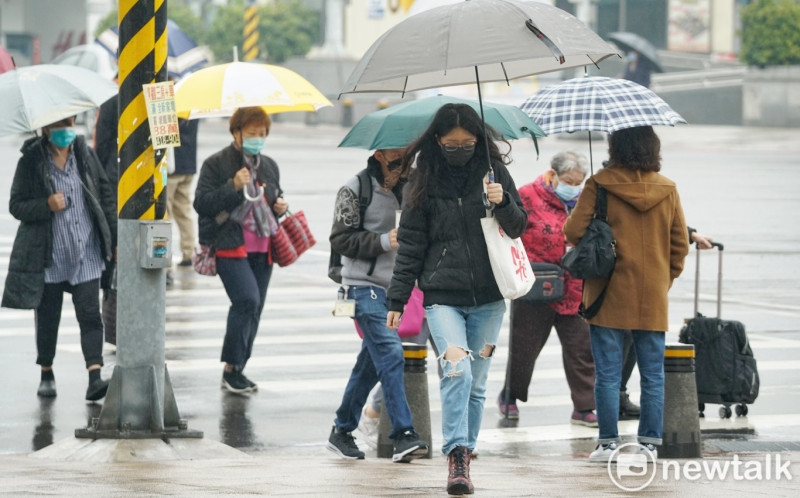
column 219, row 90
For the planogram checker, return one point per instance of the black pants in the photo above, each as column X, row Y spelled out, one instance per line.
column 86, row 299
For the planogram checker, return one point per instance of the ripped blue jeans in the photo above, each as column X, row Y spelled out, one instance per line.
column 456, row 330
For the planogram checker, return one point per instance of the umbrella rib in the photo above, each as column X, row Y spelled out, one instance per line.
column 505, row 74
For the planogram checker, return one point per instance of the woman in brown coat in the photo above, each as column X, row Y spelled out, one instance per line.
column 645, row 214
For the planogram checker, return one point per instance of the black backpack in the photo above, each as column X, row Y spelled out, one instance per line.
column 364, row 199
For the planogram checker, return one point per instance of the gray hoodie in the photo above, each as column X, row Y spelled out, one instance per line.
column 367, row 257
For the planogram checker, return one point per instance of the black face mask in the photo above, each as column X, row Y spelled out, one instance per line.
column 458, row 157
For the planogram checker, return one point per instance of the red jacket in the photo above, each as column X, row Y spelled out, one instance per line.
column 543, row 238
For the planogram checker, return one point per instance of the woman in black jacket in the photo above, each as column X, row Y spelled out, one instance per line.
column 442, row 248
column 238, row 199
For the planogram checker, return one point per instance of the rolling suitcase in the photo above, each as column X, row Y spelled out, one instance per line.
column 725, row 368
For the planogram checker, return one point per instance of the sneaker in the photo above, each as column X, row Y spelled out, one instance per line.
column 649, row 451
column 47, row 389
column 97, row 389
column 511, row 407
column 628, row 410
column 235, row 382
column 458, row 481
column 250, row 384
column 408, row 446
column 344, row 445
column 587, row 418
column 368, row 427
column 186, row 262
column 604, row 453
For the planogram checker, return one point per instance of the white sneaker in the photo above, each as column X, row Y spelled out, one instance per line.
column 369, row 428
column 604, row 453
column 649, row 451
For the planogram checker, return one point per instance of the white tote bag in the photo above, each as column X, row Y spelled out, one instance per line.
column 510, row 264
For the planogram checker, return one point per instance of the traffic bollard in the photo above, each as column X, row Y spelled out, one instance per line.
column 416, row 382
column 681, row 433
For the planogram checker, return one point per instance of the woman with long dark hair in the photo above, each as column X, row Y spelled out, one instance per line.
column 442, row 248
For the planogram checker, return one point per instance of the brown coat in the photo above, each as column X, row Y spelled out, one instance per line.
column 645, row 214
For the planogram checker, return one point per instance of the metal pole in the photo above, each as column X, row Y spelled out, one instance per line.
column 250, row 32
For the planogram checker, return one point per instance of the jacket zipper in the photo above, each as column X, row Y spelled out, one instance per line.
column 469, row 254
column 436, row 268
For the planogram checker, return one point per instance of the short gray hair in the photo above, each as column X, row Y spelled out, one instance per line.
column 567, row 161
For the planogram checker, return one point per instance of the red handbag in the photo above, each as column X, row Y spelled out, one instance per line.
column 204, row 260
column 292, row 239
column 283, row 252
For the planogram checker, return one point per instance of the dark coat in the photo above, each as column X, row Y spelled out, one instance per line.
column 186, row 154
column 442, row 244
column 215, row 196
column 33, row 246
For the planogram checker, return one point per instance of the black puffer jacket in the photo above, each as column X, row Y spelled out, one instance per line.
column 215, row 196
column 442, row 245
column 33, row 246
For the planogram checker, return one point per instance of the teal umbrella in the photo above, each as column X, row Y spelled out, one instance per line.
column 397, row 126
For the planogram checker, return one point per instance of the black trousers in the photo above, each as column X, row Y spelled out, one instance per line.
column 86, row 299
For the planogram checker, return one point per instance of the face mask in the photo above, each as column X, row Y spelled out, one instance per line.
column 62, row 137
column 567, row 192
column 458, row 157
column 253, row 145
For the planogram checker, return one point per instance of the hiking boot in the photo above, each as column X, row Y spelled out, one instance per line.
column 458, row 481
column 627, row 409
column 344, row 445
column 368, row 426
column 235, row 382
column 408, row 446
column 97, row 389
column 604, row 453
column 47, row 389
column 649, row 451
column 511, row 407
column 587, row 418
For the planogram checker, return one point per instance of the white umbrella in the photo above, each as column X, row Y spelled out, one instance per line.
column 35, row 96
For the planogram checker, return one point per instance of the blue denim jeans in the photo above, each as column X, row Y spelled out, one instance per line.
column 246, row 281
column 607, row 345
column 380, row 359
column 473, row 329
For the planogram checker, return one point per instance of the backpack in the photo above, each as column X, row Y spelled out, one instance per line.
column 364, row 199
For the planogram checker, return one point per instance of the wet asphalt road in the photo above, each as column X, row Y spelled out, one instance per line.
column 737, row 184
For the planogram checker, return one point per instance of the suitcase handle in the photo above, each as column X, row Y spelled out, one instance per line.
column 721, row 248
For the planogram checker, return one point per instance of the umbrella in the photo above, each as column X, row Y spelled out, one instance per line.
column 183, row 54
column 220, row 90
column 6, row 62
column 90, row 56
column 473, row 41
column 628, row 41
column 397, row 126
column 35, row 96
column 597, row 103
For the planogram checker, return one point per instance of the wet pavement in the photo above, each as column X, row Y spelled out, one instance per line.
column 737, row 184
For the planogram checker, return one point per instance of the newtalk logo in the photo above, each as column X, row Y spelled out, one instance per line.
column 632, row 473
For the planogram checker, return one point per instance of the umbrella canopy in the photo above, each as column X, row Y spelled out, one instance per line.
column 598, row 104
column 90, row 56
column 489, row 40
column 35, row 96
column 628, row 41
column 6, row 62
column 183, row 54
column 219, row 90
column 397, row 126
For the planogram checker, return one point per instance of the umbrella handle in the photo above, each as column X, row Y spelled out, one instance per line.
column 533, row 136
column 256, row 197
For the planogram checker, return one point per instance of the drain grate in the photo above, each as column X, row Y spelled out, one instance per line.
column 746, row 446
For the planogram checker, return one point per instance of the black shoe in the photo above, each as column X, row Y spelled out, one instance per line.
column 344, row 445
column 185, row 262
column 235, row 382
column 408, row 446
column 97, row 389
column 47, row 389
column 170, row 280
column 627, row 409
column 250, row 384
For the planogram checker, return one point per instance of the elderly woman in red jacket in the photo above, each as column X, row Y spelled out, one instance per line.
column 549, row 200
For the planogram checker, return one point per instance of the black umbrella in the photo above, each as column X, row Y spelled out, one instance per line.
column 628, row 41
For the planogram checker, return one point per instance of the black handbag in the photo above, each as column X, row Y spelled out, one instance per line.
column 595, row 255
column 549, row 284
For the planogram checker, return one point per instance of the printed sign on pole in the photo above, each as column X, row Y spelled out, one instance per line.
column 160, row 101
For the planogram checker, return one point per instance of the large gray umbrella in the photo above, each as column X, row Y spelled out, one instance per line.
column 476, row 40
column 628, row 41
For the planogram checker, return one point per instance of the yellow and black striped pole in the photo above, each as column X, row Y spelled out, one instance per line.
column 250, row 33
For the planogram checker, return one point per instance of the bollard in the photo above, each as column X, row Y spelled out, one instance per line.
column 681, row 434
column 416, row 382
column 347, row 113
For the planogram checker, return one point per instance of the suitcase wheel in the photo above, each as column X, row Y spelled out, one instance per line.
column 725, row 411
column 741, row 410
